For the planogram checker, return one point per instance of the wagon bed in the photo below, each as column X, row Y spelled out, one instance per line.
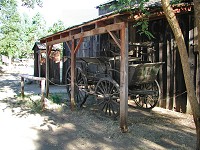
column 143, row 73
column 100, row 77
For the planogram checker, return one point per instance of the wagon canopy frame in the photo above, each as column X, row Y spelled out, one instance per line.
column 104, row 24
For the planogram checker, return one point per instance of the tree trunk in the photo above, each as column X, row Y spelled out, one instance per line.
column 197, row 19
column 185, row 65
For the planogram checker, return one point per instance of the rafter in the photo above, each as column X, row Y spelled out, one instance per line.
column 117, row 41
column 100, row 30
column 79, row 44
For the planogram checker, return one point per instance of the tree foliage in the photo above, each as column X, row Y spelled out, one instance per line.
column 57, row 26
column 9, row 27
column 31, row 3
column 143, row 22
column 31, row 30
column 18, row 33
column 138, row 6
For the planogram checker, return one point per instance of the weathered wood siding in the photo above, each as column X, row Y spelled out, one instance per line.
column 171, row 79
column 90, row 47
column 40, row 61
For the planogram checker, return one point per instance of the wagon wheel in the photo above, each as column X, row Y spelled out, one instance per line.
column 148, row 99
column 80, row 86
column 107, row 96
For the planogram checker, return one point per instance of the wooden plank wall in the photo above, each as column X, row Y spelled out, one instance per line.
column 171, row 79
column 36, row 70
column 90, row 47
column 54, row 66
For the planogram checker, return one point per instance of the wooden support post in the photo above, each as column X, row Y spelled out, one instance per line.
column 39, row 63
column 73, row 66
column 47, row 70
column 42, row 94
column 169, row 84
column 162, row 102
column 124, row 78
column 22, row 87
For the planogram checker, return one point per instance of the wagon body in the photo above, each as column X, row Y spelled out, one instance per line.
column 143, row 73
column 93, row 68
column 138, row 73
column 101, row 77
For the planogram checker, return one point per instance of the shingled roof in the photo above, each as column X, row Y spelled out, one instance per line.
column 135, row 5
column 152, row 4
column 42, row 46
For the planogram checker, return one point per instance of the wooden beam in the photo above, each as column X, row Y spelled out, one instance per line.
column 162, row 103
column 100, row 24
column 39, row 63
column 73, row 66
column 105, row 18
column 22, row 87
column 75, row 31
column 42, row 94
column 32, row 77
column 67, row 43
column 117, row 19
column 89, row 27
column 169, row 76
column 79, row 44
column 48, row 48
column 100, row 30
column 117, row 41
column 124, row 78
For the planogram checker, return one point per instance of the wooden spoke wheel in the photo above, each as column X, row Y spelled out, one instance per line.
column 81, row 86
column 107, row 96
column 149, row 97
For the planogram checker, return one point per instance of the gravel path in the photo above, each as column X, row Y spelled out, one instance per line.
column 62, row 129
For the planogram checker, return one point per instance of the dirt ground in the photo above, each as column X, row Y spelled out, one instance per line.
column 62, row 129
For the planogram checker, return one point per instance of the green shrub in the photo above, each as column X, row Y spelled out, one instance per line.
column 35, row 106
column 56, row 98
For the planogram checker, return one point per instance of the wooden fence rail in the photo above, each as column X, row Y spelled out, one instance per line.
column 42, row 83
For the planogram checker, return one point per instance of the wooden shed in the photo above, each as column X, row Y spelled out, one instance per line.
column 174, row 95
column 171, row 79
column 115, row 32
column 40, row 62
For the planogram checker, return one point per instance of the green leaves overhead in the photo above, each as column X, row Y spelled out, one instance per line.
column 143, row 29
column 31, row 30
column 57, row 26
column 123, row 5
column 19, row 32
column 138, row 6
column 31, row 3
column 9, row 27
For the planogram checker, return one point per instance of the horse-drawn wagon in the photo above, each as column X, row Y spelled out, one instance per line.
column 100, row 77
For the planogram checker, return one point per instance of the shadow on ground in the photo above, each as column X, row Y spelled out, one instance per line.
column 87, row 129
